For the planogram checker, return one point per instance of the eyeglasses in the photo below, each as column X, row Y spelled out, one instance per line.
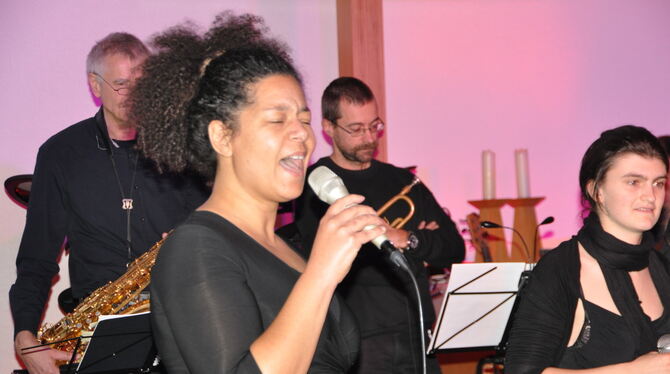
column 357, row 130
column 123, row 90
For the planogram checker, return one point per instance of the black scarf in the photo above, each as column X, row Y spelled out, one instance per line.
column 616, row 259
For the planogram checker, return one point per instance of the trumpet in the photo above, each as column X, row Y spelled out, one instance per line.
column 401, row 221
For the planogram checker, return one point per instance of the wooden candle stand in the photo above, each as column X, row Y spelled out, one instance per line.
column 525, row 223
column 489, row 210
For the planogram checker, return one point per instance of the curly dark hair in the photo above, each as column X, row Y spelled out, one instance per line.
column 600, row 156
column 193, row 80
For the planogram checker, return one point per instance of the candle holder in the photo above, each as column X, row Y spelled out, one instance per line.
column 525, row 223
column 489, row 210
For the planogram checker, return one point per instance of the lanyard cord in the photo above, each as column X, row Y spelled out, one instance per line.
column 126, row 202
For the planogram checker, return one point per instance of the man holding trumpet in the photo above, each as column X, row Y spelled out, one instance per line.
column 381, row 297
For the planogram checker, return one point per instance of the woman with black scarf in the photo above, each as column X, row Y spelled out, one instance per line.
column 601, row 300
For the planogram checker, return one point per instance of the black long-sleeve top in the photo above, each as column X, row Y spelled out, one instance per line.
column 215, row 290
column 543, row 323
column 379, row 295
column 75, row 195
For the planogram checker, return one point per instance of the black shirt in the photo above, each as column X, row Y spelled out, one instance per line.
column 76, row 195
column 381, row 297
column 215, row 290
column 594, row 346
column 543, row 323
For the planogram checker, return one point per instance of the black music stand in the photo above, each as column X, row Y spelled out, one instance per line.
column 476, row 307
column 120, row 344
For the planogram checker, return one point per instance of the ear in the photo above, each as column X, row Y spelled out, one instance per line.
column 220, row 137
column 328, row 127
column 590, row 189
column 94, row 82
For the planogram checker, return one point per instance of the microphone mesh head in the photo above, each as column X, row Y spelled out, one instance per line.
column 663, row 343
column 547, row 220
column 326, row 184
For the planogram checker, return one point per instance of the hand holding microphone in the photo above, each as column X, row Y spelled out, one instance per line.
column 652, row 362
column 330, row 188
column 340, row 235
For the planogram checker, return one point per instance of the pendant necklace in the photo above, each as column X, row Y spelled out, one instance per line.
column 126, row 201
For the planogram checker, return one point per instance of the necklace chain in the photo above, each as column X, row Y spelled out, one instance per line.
column 126, row 202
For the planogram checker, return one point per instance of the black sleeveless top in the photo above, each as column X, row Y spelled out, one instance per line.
column 605, row 339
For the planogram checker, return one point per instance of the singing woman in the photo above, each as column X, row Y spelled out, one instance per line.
column 228, row 295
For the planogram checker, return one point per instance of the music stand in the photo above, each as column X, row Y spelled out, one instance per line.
column 477, row 306
column 120, row 343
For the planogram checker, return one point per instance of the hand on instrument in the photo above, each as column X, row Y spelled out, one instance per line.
column 38, row 360
column 340, row 236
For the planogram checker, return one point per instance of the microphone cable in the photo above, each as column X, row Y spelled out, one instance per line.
column 422, row 333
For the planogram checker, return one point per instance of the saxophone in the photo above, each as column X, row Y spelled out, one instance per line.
column 121, row 296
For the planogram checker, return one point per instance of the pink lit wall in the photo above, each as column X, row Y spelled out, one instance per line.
column 43, row 90
column 463, row 76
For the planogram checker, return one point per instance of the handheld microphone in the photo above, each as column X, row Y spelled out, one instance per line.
column 663, row 344
column 545, row 221
column 330, row 188
column 493, row 225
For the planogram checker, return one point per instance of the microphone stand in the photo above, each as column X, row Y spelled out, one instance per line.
column 493, row 225
column 398, row 259
column 545, row 221
column 422, row 332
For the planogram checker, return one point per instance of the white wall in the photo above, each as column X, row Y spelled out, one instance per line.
column 42, row 70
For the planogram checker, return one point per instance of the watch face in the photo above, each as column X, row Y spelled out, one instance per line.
column 413, row 241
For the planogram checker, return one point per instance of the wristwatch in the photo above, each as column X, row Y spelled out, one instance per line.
column 412, row 241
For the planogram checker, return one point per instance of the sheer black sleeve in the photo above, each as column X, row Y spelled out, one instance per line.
column 543, row 323
column 443, row 246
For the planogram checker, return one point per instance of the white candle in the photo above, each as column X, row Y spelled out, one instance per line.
column 522, row 184
column 489, row 174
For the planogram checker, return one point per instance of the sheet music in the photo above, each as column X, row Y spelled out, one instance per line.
column 477, row 305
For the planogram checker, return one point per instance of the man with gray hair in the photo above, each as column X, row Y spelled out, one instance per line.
column 93, row 190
